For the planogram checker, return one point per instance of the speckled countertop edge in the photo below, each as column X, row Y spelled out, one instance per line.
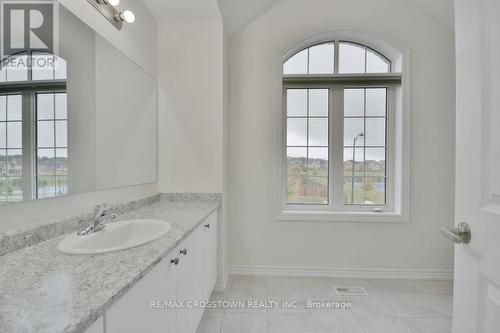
column 24, row 291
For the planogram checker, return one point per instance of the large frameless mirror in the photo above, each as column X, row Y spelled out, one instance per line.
column 81, row 120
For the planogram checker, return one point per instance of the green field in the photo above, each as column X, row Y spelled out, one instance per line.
column 11, row 190
column 48, row 186
column 308, row 182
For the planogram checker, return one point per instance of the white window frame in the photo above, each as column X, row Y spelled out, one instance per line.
column 398, row 132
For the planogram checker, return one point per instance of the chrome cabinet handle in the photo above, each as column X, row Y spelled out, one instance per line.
column 459, row 235
column 207, row 226
column 184, row 252
column 175, row 261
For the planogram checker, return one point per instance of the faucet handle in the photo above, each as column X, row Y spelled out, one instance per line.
column 101, row 212
column 101, row 209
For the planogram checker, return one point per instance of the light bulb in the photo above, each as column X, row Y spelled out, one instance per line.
column 109, row 2
column 127, row 16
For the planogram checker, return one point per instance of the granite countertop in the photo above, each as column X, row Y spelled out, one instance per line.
column 43, row 290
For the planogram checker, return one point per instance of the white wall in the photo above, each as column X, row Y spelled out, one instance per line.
column 256, row 238
column 126, row 125
column 138, row 41
column 190, row 105
column 77, row 46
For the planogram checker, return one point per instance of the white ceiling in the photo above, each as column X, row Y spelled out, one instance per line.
column 183, row 9
column 443, row 10
column 238, row 13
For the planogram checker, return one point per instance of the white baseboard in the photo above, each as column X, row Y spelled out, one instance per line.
column 220, row 285
column 353, row 273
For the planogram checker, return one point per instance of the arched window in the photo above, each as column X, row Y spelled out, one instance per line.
column 339, row 119
column 33, row 127
column 354, row 58
column 32, row 66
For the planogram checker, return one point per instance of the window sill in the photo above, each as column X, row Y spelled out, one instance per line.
column 339, row 216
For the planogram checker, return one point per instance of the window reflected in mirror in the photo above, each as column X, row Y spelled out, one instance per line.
column 11, row 148
column 33, row 127
column 51, row 144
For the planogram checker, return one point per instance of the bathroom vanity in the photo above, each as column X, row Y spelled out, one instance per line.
column 80, row 129
column 45, row 290
column 164, row 300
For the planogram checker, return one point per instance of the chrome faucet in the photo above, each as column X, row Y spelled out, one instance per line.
column 101, row 214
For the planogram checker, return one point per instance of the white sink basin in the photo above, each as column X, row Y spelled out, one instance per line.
column 115, row 236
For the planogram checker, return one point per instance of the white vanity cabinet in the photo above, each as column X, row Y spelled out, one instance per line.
column 187, row 274
column 133, row 311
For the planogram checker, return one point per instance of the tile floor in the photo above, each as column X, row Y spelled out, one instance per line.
column 392, row 306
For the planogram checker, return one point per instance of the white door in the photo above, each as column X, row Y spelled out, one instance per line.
column 477, row 264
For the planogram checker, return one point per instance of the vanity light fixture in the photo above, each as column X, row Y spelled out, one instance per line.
column 126, row 16
column 109, row 2
column 108, row 10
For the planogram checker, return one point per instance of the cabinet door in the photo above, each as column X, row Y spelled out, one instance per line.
column 210, row 254
column 190, row 281
column 134, row 312
column 170, row 293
